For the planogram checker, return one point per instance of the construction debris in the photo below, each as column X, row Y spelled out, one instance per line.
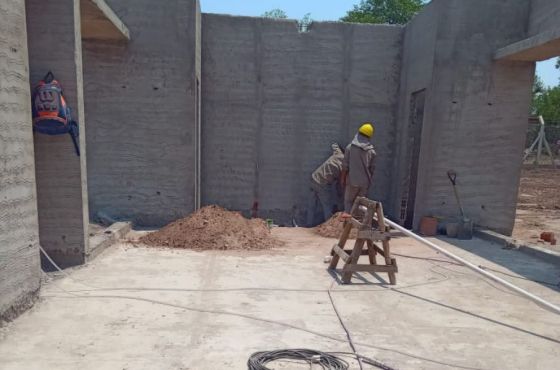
column 214, row 228
column 332, row 228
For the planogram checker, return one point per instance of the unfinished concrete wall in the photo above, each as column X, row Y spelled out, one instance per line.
column 416, row 75
column 61, row 175
column 545, row 16
column 19, row 233
column 275, row 99
column 476, row 119
column 140, row 103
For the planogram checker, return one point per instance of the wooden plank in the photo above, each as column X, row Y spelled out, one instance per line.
column 369, row 268
column 368, row 203
column 394, row 263
column 379, row 250
column 373, row 235
column 353, row 260
column 364, row 252
column 342, row 241
column 357, row 224
column 386, row 246
column 340, row 253
column 372, row 254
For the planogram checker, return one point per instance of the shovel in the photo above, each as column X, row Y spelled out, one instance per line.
column 465, row 229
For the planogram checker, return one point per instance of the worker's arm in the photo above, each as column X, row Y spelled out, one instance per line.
column 343, row 176
column 345, row 166
column 372, row 165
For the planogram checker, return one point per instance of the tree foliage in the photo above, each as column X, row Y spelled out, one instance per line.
column 546, row 101
column 275, row 13
column 384, row 11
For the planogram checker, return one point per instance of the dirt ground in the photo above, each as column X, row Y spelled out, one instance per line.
column 538, row 208
column 213, row 227
column 332, row 228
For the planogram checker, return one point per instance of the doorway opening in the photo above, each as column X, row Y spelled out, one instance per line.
column 538, row 203
column 415, row 125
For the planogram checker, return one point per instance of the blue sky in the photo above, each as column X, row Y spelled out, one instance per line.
column 323, row 10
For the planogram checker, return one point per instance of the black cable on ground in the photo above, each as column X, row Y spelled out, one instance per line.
column 259, row 360
column 327, row 360
column 249, row 317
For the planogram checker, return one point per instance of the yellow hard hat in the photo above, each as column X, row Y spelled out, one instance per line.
column 367, row 129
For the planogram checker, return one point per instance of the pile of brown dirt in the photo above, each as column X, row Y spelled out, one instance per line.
column 332, row 228
column 214, row 228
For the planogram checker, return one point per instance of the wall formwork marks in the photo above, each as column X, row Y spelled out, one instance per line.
column 476, row 116
column 19, row 234
column 140, row 100
column 275, row 99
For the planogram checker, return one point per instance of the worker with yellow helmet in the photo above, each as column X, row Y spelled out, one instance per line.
column 358, row 166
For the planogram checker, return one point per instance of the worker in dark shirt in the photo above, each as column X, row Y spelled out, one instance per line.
column 323, row 182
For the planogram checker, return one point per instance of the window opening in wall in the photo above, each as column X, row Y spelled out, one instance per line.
column 305, row 23
column 538, row 202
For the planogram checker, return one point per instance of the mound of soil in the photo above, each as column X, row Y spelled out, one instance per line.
column 332, row 228
column 214, row 228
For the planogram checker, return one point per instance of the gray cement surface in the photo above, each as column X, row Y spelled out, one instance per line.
column 128, row 310
column 544, row 16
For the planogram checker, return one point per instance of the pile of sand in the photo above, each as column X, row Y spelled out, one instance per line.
column 332, row 228
column 214, row 227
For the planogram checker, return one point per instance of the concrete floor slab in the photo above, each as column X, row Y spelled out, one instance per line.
column 141, row 308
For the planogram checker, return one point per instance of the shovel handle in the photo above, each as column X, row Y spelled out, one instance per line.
column 452, row 177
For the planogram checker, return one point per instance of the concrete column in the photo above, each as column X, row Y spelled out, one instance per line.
column 19, row 235
column 54, row 39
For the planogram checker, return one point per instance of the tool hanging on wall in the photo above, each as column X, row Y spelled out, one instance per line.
column 51, row 114
column 465, row 227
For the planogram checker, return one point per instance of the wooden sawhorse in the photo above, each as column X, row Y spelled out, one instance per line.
column 365, row 243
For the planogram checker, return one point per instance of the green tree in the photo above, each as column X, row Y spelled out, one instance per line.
column 305, row 23
column 384, row 11
column 275, row 13
column 546, row 101
column 538, row 86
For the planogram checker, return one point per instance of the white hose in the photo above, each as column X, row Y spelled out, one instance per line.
column 477, row 269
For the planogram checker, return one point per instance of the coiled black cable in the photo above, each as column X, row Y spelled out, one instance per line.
column 327, row 360
column 259, row 360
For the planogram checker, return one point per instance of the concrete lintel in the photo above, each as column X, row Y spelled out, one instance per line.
column 543, row 46
column 99, row 22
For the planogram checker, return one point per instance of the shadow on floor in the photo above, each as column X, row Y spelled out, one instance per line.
column 527, row 267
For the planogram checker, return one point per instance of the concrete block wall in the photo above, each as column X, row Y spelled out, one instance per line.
column 140, row 103
column 416, row 75
column 544, row 16
column 275, row 99
column 61, row 175
column 19, row 231
column 476, row 119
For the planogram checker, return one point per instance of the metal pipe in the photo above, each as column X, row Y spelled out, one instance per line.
column 477, row 269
